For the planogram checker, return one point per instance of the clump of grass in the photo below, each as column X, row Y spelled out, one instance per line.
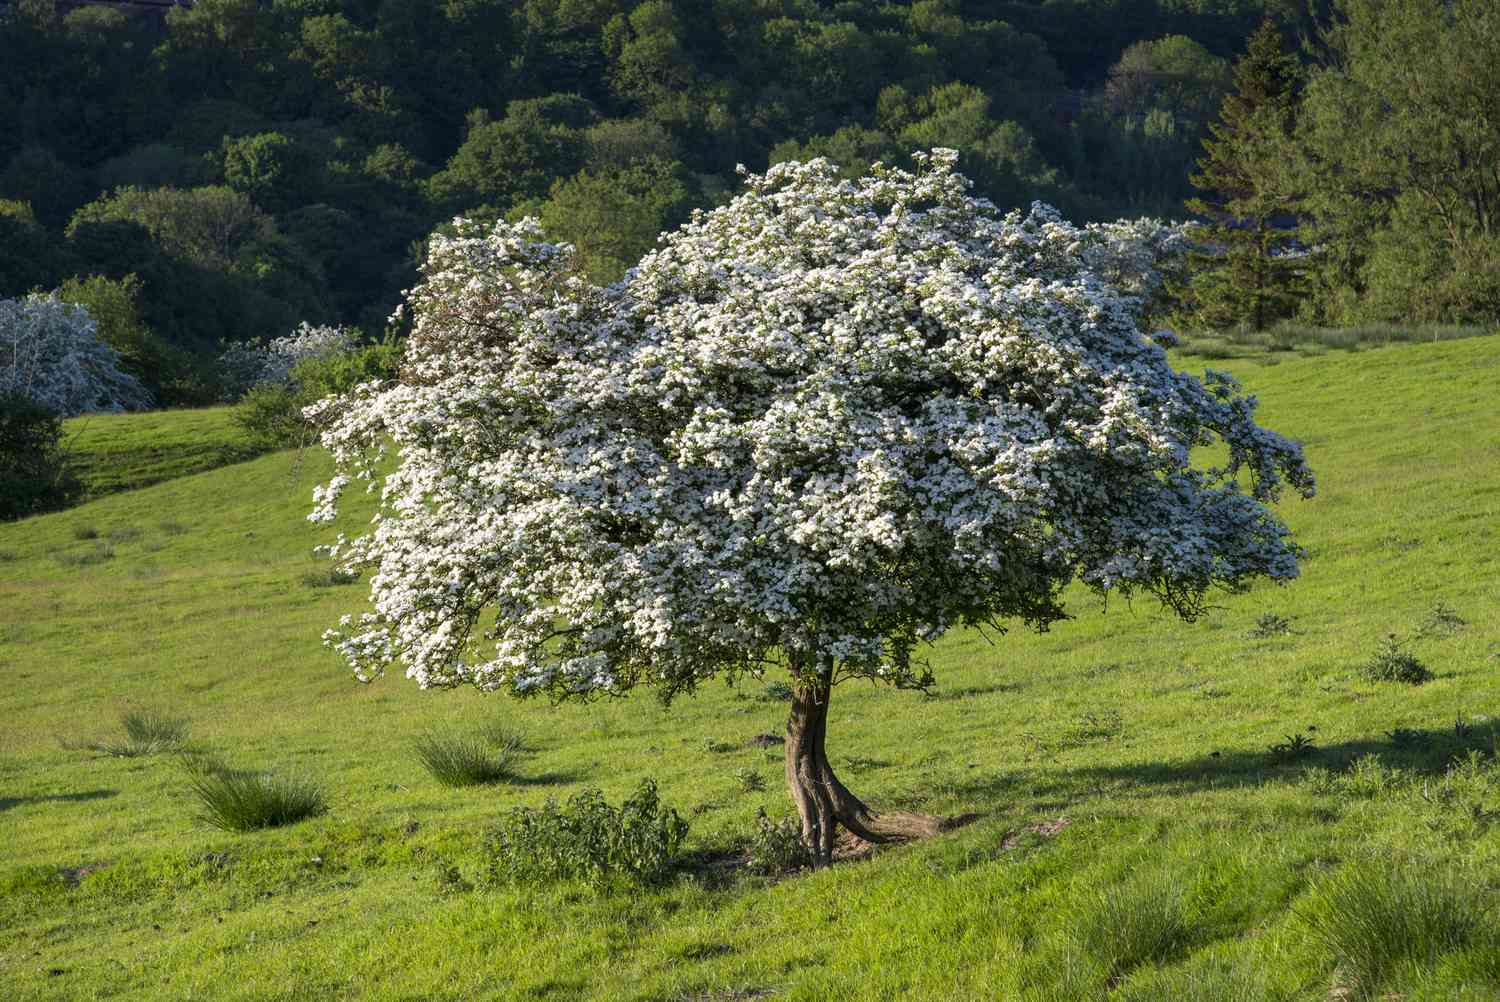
column 749, row 780
column 1138, row 922
column 84, row 532
column 237, row 801
column 462, row 760
column 500, row 735
column 1393, row 663
column 9, row 556
column 96, row 554
column 329, row 577
column 147, row 732
column 1441, row 621
column 123, row 534
column 172, row 528
column 1209, row 979
column 1378, row 920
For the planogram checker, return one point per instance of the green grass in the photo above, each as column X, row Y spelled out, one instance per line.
column 1289, row 338
column 123, row 452
column 1118, row 765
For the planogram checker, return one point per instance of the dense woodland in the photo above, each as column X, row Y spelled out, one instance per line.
column 238, row 166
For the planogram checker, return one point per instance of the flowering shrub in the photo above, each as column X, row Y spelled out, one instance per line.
column 1139, row 258
column 248, row 364
column 827, row 422
column 50, row 352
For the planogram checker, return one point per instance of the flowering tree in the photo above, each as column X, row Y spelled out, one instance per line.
column 813, row 430
column 50, row 352
column 247, row 364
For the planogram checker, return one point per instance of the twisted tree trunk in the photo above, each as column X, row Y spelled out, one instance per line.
column 823, row 802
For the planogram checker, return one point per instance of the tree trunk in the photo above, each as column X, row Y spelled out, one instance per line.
column 823, row 802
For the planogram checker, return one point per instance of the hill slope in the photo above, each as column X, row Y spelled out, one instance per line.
column 1136, row 839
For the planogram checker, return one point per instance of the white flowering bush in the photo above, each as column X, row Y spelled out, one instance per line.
column 51, row 353
column 1140, row 258
column 247, row 364
column 816, row 428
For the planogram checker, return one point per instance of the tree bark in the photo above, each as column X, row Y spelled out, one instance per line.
column 823, row 802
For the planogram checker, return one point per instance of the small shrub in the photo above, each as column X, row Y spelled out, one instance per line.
column 777, row 692
column 749, row 780
column 1296, row 746
column 34, row 472
column 1270, row 625
column 1393, row 663
column 716, row 747
column 587, row 839
column 1127, row 925
column 82, row 532
column 329, row 577
column 1441, row 621
column 237, row 801
column 1376, row 920
column 776, row 847
column 460, row 760
column 123, row 534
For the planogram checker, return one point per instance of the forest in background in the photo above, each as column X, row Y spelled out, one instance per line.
column 239, row 166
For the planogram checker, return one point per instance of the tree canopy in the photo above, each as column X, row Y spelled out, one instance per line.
column 814, row 429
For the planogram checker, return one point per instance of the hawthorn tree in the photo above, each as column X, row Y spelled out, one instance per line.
column 810, row 432
column 51, row 353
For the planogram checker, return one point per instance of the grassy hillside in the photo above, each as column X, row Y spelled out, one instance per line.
column 122, row 452
column 1135, row 839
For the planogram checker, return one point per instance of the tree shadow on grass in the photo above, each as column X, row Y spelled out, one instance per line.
column 1425, row 752
column 6, row 803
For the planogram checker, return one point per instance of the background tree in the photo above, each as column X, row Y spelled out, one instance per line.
column 813, row 430
column 1247, row 271
column 1398, row 144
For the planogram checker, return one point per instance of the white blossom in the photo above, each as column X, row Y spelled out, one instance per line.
column 50, row 351
column 246, row 364
column 831, row 420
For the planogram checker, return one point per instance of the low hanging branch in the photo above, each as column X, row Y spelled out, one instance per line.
column 817, row 427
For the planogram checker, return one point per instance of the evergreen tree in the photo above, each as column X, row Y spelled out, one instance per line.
column 1247, row 272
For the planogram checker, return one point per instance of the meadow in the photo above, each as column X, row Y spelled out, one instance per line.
column 1226, row 810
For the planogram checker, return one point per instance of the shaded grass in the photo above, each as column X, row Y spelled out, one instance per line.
column 121, row 452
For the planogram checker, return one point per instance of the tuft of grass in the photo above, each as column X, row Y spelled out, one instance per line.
column 172, row 527
column 146, row 733
column 1142, row 921
column 1441, row 621
column 84, row 532
column 329, row 577
column 461, row 760
column 1393, row 663
column 1208, row 979
column 238, row 801
column 97, row 554
column 124, row 534
column 1379, row 921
